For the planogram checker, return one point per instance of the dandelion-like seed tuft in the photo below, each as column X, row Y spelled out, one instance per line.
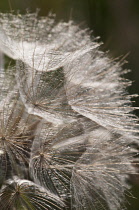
column 68, row 135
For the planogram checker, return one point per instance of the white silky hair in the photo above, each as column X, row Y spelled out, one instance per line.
column 82, row 146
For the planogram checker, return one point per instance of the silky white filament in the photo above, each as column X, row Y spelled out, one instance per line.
column 67, row 128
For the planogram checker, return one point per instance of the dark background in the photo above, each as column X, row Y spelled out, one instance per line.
column 117, row 24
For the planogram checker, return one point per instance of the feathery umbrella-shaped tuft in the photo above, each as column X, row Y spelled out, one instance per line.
column 41, row 43
column 54, row 153
column 16, row 135
column 96, row 89
column 99, row 177
column 43, row 94
column 23, row 194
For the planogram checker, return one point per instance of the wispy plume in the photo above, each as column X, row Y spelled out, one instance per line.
column 16, row 136
column 67, row 122
column 23, row 194
column 41, row 43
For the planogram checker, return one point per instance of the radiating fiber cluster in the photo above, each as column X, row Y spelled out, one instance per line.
column 68, row 135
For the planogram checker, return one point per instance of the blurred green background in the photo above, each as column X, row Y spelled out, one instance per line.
column 117, row 24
